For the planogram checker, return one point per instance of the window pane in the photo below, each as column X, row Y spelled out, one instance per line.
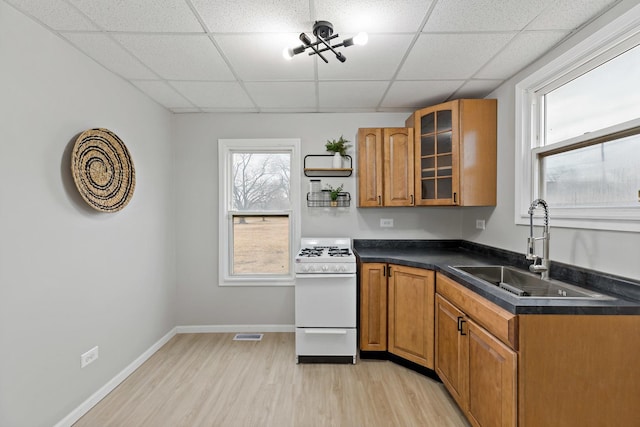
column 605, row 174
column 260, row 245
column 603, row 97
column 261, row 181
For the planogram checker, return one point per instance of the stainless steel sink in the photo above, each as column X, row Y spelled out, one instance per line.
column 524, row 284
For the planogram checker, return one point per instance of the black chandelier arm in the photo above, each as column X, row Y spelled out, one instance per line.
column 329, row 48
column 317, row 52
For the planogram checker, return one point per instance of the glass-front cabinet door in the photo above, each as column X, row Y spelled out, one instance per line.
column 436, row 155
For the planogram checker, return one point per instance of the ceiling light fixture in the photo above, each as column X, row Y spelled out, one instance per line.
column 323, row 30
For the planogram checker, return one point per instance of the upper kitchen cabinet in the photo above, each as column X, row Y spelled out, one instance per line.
column 385, row 167
column 455, row 153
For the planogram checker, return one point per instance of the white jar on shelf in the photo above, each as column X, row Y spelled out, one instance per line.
column 337, row 161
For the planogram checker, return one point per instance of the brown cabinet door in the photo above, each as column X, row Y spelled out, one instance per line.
column 451, row 350
column 411, row 314
column 370, row 167
column 455, row 153
column 437, row 155
column 398, row 166
column 491, row 379
column 373, row 307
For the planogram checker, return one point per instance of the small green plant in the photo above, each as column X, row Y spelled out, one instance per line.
column 338, row 146
column 333, row 192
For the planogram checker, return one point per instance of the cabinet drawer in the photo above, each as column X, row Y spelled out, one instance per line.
column 502, row 324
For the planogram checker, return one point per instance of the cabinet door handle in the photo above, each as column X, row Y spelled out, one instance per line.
column 389, row 271
column 384, row 271
column 455, row 197
column 460, row 323
column 379, row 200
column 412, row 199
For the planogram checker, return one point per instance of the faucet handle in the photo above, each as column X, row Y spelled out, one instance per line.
column 531, row 248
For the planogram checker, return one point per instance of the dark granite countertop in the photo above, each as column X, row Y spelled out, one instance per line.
column 440, row 255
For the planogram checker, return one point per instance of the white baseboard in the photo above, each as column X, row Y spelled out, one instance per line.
column 200, row 329
column 96, row 397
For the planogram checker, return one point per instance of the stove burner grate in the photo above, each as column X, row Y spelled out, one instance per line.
column 339, row 252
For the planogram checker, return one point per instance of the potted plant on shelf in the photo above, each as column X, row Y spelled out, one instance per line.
column 334, row 193
column 339, row 148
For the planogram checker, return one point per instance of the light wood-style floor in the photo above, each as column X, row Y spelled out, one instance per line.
column 211, row 380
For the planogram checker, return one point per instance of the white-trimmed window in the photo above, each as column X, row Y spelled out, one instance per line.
column 578, row 132
column 259, row 210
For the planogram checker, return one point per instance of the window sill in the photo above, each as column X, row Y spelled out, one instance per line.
column 586, row 222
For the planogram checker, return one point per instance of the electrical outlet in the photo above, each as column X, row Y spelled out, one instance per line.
column 89, row 357
column 480, row 224
column 386, row 222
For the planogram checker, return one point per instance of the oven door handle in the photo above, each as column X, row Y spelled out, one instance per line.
column 325, row 276
column 325, row 331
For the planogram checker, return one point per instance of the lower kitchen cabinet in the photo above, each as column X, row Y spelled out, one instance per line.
column 535, row 370
column 397, row 311
column 491, row 379
column 477, row 368
column 411, row 316
column 373, row 306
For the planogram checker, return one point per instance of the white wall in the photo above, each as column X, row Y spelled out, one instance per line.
column 610, row 252
column 72, row 277
column 201, row 300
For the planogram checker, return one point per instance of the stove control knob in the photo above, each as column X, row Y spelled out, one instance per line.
column 342, row 268
column 325, row 268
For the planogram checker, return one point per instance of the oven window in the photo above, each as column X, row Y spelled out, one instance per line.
column 259, row 211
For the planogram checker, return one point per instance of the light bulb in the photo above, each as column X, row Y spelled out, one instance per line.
column 287, row 53
column 361, row 39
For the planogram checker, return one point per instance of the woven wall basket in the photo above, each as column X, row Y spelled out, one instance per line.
column 103, row 170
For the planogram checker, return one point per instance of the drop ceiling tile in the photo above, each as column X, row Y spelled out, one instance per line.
column 110, row 54
column 178, row 57
column 214, row 94
column 254, row 16
column 483, row 15
column 140, row 15
column 259, row 57
column 373, row 16
column 351, row 95
column 56, row 14
column 477, row 88
column 451, row 56
column 564, row 15
column 418, row 94
column 163, row 94
column 525, row 48
column 283, row 94
column 377, row 60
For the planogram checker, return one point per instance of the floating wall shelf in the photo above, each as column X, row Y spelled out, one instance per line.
column 322, row 199
column 318, row 165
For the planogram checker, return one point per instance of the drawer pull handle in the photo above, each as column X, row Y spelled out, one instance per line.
column 325, row 331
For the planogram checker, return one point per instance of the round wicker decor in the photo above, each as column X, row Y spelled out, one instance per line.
column 103, row 170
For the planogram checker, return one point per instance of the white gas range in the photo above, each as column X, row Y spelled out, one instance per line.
column 325, row 300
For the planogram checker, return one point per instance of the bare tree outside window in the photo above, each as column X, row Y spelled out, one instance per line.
column 260, row 181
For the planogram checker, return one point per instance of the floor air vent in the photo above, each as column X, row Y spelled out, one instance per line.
column 248, row 337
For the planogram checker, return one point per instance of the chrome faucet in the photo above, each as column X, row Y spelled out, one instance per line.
column 543, row 266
